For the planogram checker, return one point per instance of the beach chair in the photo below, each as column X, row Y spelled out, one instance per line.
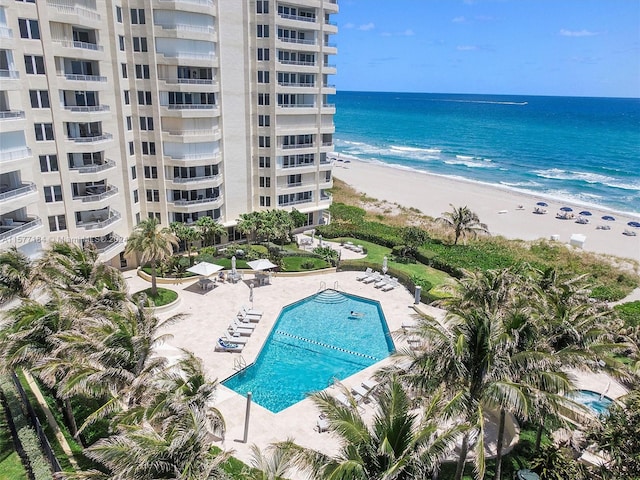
column 322, row 424
column 369, row 385
column 239, row 331
column 387, row 287
column 223, row 346
column 343, row 400
column 365, row 274
column 246, row 318
column 374, row 277
column 251, row 311
column 229, row 338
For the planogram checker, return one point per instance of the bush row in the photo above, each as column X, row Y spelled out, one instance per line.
column 38, row 465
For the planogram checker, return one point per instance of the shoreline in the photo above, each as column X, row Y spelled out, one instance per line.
column 432, row 194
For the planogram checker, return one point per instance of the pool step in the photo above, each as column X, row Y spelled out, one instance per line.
column 330, row 296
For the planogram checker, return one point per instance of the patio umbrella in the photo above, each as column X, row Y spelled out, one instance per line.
column 609, row 218
column 233, row 265
column 566, row 209
column 205, row 268
column 262, row 264
column 384, row 265
column 251, row 294
column 586, row 213
column 634, row 224
column 542, row 204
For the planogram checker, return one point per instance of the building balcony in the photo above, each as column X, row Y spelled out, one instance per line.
column 102, row 137
column 13, row 227
column 307, row 167
column 97, row 193
column 205, row 57
column 12, row 115
column 5, row 32
column 93, row 167
column 188, row 81
column 9, row 74
column 8, row 192
column 99, row 221
column 187, row 28
column 15, row 154
column 86, row 108
column 298, row 41
column 298, row 146
column 70, row 8
column 296, row 84
column 291, row 203
column 210, row 180
column 298, row 63
column 94, row 47
column 297, row 18
column 194, row 159
column 106, row 246
column 196, row 3
column 203, row 132
column 84, row 78
column 198, row 204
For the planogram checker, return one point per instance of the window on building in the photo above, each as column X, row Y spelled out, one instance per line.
column 34, row 64
column 121, row 42
column 39, row 98
column 29, row 28
column 53, row 193
column 262, row 6
column 137, row 16
column 153, row 195
column 144, row 97
column 264, row 99
column 264, row 121
column 140, row 44
column 263, row 54
column 150, row 172
column 155, row 215
column 129, row 123
column 123, row 66
column 134, row 173
column 119, row 14
column 263, row 76
column 262, row 31
column 127, row 100
column 148, row 148
column 142, row 71
column 48, row 163
column 264, row 141
column 43, row 131
column 265, row 201
column 146, row 123
column 136, row 198
column 132, row 149
column 264, row 162
column 57, row 222
column 265, row 182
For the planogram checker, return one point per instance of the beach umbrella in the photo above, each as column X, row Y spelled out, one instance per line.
column 205, row 268
column 233, row 265
column 384, row 265
column 320, row 240
column 586, row 213
column 609, row 218
column 566, row 209
column 262, row 264
column 542, row 204
column 634, row 224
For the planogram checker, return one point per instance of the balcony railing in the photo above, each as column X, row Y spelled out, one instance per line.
column 197, row 201
column 191, row 133
column 87, row 108
column 186, row 27
column 295, row 202
column 190, row 55
column 85, row 78
column 83, row 45
column 188, row 81
column 9, row 74
column 104, row 246
column 297, row 40
column 25, row 188
column 190, row 106
column 297, row 145
column 297, row 17
column 193, row 156
column 297, row 62
column 299, row 165
column 11, row 115
column 100, row 223
column 195, row 179
column 293, row 185
column 16, row 154
column 5, row 32
column 208, row 3
column 18, row 227
column 95, row 138
column 71, row 8
column 96, row 197
column 93, row 168
column 296, row 84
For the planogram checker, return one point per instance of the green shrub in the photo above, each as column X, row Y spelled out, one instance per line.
column 629, row 313
column 213, row 251
column 346, row 213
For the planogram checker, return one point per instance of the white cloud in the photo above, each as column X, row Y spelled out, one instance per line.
column 466, row 48
column 459, row 20
column 408, row 33
column 577, row 33
column 348, row 25
column 366, row 27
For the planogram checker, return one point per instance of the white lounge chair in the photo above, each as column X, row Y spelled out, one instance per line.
column 343, row 400
column 365, row 274
column 239, row 331
column 241, row 324
column 369, row 385
column 222, row 346
column 322, row 424
column 387, row 287
column 251, row 311
column 246, row 318
column 229, row 338
column 374, row 277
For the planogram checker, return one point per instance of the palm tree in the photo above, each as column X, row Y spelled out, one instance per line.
column 154, row 243
column 273, row 464
column 210, row 229
column 464, row 222
column 398, row 444
column 16, row 275
column 248, row 223
column 186, row 234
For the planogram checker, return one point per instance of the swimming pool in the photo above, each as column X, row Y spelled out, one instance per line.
column 313, row 342
column 598, row 403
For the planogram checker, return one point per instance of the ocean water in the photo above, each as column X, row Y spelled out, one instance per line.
column 581, row 150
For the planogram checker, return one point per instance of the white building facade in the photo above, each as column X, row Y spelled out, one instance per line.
column 115, row 111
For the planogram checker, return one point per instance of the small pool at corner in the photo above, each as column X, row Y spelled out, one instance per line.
column 596, row 402
column 313, row 342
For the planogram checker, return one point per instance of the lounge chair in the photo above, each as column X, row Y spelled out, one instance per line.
column 365, row 274
column 370, row 385
column 229, row 338
column 322, row 424
column 246, row 318
column 374, row 277
column 343, row 400
column 240, row 324
column 387, row 287
column 223, row 346
column 629, row 233
column 251, row 311
column 239, row 331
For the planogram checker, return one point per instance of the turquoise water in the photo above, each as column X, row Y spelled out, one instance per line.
column 583, row 150
column 593, row 400
column 314, row 341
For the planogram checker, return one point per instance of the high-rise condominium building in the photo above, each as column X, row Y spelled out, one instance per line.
column 112, row 111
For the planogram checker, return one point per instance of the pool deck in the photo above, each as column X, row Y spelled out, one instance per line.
column 208, row 314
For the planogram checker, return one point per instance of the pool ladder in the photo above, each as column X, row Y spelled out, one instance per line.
column 239, row 363
column 323, row 286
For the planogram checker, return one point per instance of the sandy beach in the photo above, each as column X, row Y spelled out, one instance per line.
column 498, row 208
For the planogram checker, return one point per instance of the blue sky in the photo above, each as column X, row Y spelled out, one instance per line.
column 535, row 47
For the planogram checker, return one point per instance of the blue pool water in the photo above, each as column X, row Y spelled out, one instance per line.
column 314, row 341
column 593, row 401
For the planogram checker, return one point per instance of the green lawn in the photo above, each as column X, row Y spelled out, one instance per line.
column 10, row 465
column 295, row 264
column 163, row 297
